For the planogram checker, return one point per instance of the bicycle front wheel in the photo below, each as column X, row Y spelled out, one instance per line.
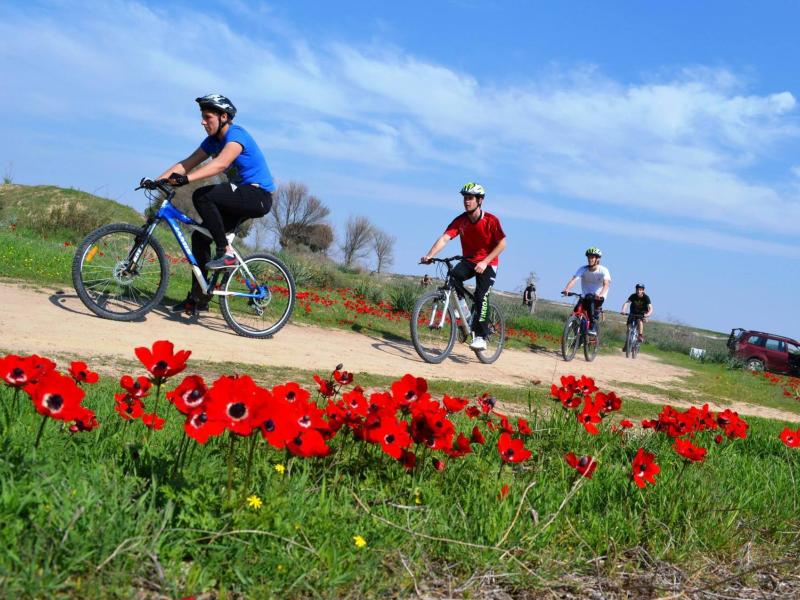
column 496, row 338
column 259, row 296
column 570, row 338
column 630, row 341
column 116, row 275
column 636, row 343
column 591, row 343
column 433, row 327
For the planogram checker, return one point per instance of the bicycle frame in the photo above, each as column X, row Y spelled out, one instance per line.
column 169, row 213
column 452, row 286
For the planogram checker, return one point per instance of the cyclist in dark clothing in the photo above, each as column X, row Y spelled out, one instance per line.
column 221, row 206
column 528, row 294
column 640, row 307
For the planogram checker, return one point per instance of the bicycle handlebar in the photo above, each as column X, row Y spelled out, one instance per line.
column 161, row 184
column 442, row 260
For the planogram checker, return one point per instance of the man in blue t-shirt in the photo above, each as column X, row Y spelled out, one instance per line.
column 221, row 206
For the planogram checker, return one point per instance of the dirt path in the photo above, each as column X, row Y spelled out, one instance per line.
column 42, row 322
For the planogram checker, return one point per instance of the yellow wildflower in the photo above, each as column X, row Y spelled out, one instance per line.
column 254, row 502
column 360, row 542
column 280, row 469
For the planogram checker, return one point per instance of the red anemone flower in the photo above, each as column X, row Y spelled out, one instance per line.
column 199, row 427
column 625, row 424
column 438, row 464
column 325, row 387
column 189, row 395
column 162, row 361
column 503, row 492
column 153, row 421
column 472, row 412
column 585, row 465
column 80, row 372
column 408, row 459
column 791, row 438
column 138, row 388
column 127, row 407
column 236, row 402
column 290, row 392
column 343, row 377
column 477, row 436
column 644, row 468
column 454, row 405
column 393, row 437
column 487, row 403
column 512, row 450
column 523, row 428
column 17, row 371
column 57, row 396
column 85, row 421
column 307, row 443
column 607, row 402
column 685, row 448
column 589, row 416
column 409, row 389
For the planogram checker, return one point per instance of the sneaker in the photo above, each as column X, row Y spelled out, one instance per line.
column 478, row 343
column 190, row 305
column 591, row 332
column 226, row 261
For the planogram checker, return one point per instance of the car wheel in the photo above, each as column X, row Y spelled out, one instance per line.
column 755, row 364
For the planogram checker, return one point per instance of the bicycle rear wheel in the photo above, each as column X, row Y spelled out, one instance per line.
column 570, row 338
column 591, row 343
column 433, row 327
column 118, row 277
column 496, row 339
column 259, row 298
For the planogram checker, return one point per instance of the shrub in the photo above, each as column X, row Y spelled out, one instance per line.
column 369, row 290
column 403, row 296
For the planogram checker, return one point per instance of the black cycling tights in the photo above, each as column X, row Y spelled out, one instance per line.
column 221, row 208
column 483, row 283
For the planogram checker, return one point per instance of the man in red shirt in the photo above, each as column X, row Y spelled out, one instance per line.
column 482, row 241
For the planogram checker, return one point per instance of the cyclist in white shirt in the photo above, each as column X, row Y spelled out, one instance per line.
column 595, row 279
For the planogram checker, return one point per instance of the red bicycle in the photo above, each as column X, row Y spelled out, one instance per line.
column 576, row 332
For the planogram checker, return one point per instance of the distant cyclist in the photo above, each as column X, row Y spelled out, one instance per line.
column 640, row 307
column 595, row 279
column 221, row 206
column 529, row 294
column 482, row 241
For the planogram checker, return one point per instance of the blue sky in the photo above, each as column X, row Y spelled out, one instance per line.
column 665, row 133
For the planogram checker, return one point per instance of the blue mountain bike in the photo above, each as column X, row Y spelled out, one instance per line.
column 121, row 272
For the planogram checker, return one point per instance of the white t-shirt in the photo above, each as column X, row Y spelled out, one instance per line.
column 592, row 281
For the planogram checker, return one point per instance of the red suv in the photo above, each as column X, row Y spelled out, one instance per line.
column 765, row 351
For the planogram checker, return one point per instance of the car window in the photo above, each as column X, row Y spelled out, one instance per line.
column 793, row 348
column 776, row 345
column 756, row 340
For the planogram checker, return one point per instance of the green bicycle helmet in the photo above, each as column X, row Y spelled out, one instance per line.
column 594, row 251
column 474, row 189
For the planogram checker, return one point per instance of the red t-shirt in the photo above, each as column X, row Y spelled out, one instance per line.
column 477, row 239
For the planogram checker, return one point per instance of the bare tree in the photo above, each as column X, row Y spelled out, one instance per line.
column 295, row 211
column 383, row 246
column 357, row 236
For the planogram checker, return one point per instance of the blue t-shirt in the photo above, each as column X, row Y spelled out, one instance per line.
column 250, row 164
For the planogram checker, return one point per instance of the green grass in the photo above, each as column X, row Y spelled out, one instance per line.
column 100, row 514
column 710, row 382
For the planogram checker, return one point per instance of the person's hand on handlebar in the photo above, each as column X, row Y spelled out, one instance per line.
column 176, row 180
column 565, row 292
column 425, row 260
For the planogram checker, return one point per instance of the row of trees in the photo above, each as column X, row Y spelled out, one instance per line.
column 298, row 221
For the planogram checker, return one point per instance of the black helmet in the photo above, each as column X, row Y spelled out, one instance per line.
column 639, row 286
column 218, row 103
